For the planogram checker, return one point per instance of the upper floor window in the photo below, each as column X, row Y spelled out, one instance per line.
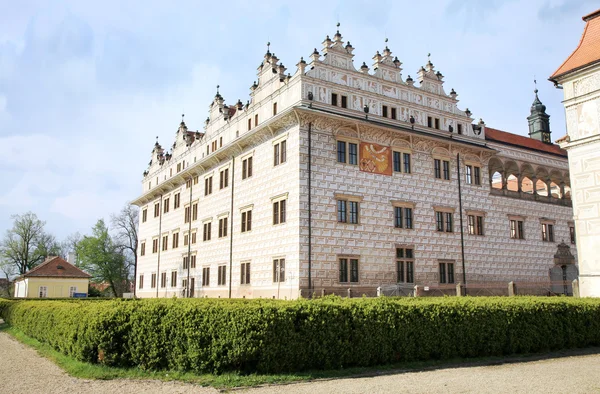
column 347, row 211
column 441, row 169
column 384, row 111
column 207, row 231
column 279, row 270
column 572, row 234
column 223, row 227
column 144, row 215
column 247, row 167
column 224, row 178
column 334, row 99
column 156, row 209
column 394, row 113
column 446, row 271
column 475, row 223
column 246, row 221
column 344, row 101
column 403, row 217
column 195, row 211
column 222, row 275
column 143, row 249
column 176, row 200
column 165, row 242
column 255, row 120
column 401, row 161
column 444, row 222
column 472, row 175
column 517, row 230
column 166, row 205
column 208, row 181
column 274, row 109
column 347, row 152
column 155, row 245
column 279, row 211
column 547, row 232
column 279, row 153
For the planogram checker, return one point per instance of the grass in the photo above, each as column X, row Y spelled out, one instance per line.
column 230, row 380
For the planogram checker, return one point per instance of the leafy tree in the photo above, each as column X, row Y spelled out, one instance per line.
column 101, row 257
column 125, row 224
column 27, row 244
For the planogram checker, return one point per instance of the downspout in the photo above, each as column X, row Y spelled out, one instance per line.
column 159, row 243
column 462, row 231
column 309, row 208
column 189, row 259
column 231, row 224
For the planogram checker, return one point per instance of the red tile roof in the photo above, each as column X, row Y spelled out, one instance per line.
column 588, row 50
column 504, row 137
column 56, row 267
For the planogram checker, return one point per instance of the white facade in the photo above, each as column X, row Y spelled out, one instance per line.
column 329, row 101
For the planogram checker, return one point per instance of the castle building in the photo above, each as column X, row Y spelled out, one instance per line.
column 336, row 178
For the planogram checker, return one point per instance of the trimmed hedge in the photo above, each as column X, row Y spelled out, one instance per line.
column 205, row 335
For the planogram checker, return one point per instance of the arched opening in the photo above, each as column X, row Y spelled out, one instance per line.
column 555, row 190
column 512, row 183
column 568, row 192
column 541, row 188
column 496, row 180
column 527, row 185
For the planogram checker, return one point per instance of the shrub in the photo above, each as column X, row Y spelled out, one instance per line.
column 278, row 336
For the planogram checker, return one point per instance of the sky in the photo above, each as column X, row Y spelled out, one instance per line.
column 86, row 86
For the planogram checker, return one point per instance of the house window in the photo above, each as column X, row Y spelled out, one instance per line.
column 188, row 183
column 441, row 168
column 344, row 101
column 334, row 99
column 473, row 175
column 347, row 211
column 222, row 227
column 245, row 273
column 349, row 155
column 394, row 114
column 192, row 286
column 547, row 232
column 278, row 270
column 214, row 145
column 186, row 214
column 444, row 221
column 72, row 291
column 207, row 230
column 247, row 167
column 516, row 229
column 274, row 109
column 429, row 121
column 141, row 282
column 143, row 249
column 385, row 111
column 173, row 278
column 447, row 272
column 206, row 276
column 196, row 180
column 176, row 200
column 220, row 142
column 246, row 221
column 207, row 150
column 572, row 234
column 144, row 215
column 155, row 245
column 249, row 124
column 405, row 265
column 175, row 240
column 186, row 239
column 165, row 242
column 224, row 178
column 437, row 123
column 222, row 275
column 279, row 153
column 403, row 217
column 43, row 291
column 153, row 281
column 193, row 261
column 208, row 185
column 163, row 280
column 194, row 237
column 460, row 129
column 255, row 120
column 341, row 151
column 166, row 205
column 186, row 262
column 279, row 211
column 348, row 270
column 401, row 162
column 156, row 210
column 475, row 223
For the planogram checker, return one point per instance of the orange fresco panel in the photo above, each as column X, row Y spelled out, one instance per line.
column 375, row 158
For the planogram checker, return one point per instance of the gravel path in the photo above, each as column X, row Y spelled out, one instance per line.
column 22, row 370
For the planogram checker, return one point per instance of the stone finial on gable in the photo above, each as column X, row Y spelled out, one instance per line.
column 431, row 80
column 336, row 54
column 386, row 66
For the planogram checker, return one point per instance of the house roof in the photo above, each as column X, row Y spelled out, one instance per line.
column 588, row 50
column 55, row 267
column 505, row 137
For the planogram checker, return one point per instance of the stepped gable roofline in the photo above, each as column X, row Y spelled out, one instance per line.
column 56, row 267
column 588, row 50
column 504, row 137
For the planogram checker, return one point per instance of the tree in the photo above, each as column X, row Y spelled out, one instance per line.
column 126, row 226
column 102, row 258
column 26, row 244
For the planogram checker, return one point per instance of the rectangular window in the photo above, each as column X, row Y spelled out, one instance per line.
column 72, row 290
column 156, row 210
column 175, row 240
column 222, row 227
column 173, row 278
column 437, row 167
column 245, row 273
column 188, row 183
column 475, row 223
column 447, row 272
column 348, row 273
column 547, row 232
column 155, row 245
column 255, row 120
column 446, row 166
column 186, row 262
column 278, row 270
column 397, row 156
column 429, row 121
column 43, row 292
column 516, row 229
column 195, row 211
column 341, row 151
column 444, row 222
column 405, row 265
column 347, row 211
column 274, row 109
column 246, row 221
column 143, row 249
column 572, row 234
column 165, row 242
column 406, row 160
column 208, row 185
column 249, row 124
column 206, row 276
column 187, row 214
column 334, row 99
column 176, row 200
column 469, row 175
column 477, row 175
column 437, row 123
column 193, row 261
column 186, row 239
column 279, row 211
column 403, row 217
column 222, row 275
column 344, row 101
column 141, row 282
column 144, row 215
column 207, row 230
column 459, row 129
column 194, row 237
column 247, row 168
column 153, row 281
column 196, row 179
column 224, row 178
column 385, row 111
column 220, row 143
column 394, row 114
column 163, row 279
column 178, row 167
column 279, row 153
column 352, row 153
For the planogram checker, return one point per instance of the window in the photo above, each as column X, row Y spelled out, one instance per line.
column 208, row 185
column 72, row 291
column 278, row 270
column 437, row 123
column 186, row 239
column 176, row 200
column 186, row 214
column 192, row 286
column 222, row 227
column 193, row 261
column 348, row 274
column 401, row 162
column 188, row 183
column 249, row 124
column 155, row 245
column 156, row 210
column 245, row 273
column 446, row 167
column 473, row 175
column 220, row 142
column 163, row 279
column 173, row 278
column 403, row 217
column 405, row 265
column 347, row 211
column 349, row 155
column 516, row 229
column 477, row 175
column 247, row 168
column 175, row 241
column 279, row 211
column 394, row 114
column 547, row 232
column 178, row 167
column 441, row 168
column 246, row 221
column 141, row 282
column 195, row 179
column 143, row 249
column 333, row 99
column 222, row 275
column 166, row 205
column 186, row 261
column 344, row 102
column 459, row 129
column 207, row 230
column 224, row 178
column 274, row 109
column 153, row 281
column 195, row 211
column 208, row 148
column 279, row 153
column 206, row 276
column 144, row 215
column 194, row 237
column 572, row 234
column 165, row 242
column 43, row 291
column 447, row 272
column 443, row 221
column 255, row 120
column 385, row 111
column 475, row 223
column 214, row 145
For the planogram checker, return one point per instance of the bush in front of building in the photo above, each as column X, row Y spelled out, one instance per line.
column 278, row 336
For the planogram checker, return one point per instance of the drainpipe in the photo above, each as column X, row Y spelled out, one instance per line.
column 231, row 224
column 309, row 208
column 159, row 244
column 462, row 231
column 189, row 258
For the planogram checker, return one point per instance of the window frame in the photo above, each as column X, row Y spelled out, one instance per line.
column 245, row 273
column 279, row 209
column 444, row 219
column 278, row 270
column 348, row 269
column 349, row 157
column 405, row 264
column 516, row 227
column 350, row 207
column 446, row 271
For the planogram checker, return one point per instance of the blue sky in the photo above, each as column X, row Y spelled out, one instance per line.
column 86, row 86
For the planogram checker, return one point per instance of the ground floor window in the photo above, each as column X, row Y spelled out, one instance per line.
column 447, row 272
column 206, row 276
column 43, row 291
column 245, row 273
column 279, row 270
column 405, row 265
column 222, row 275
column 348, row 270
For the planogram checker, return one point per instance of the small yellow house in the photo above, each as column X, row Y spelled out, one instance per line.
column 54, row 278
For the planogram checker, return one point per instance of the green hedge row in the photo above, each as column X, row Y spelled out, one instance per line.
column 277, row 336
